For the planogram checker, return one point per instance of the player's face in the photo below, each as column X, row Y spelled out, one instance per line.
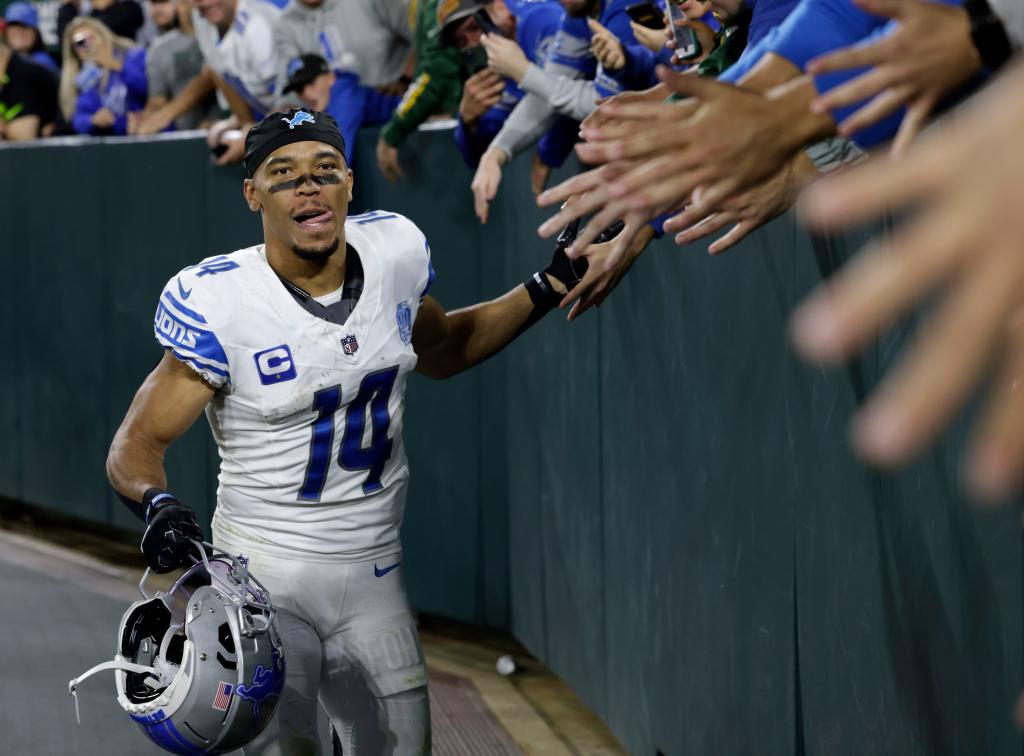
column 303, row 190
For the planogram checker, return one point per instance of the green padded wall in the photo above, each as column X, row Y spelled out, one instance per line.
column 659, row 501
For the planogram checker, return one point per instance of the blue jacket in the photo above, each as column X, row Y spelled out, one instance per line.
column 537, row 23
column 816, row 27
column 765, row 15
column 124, row 93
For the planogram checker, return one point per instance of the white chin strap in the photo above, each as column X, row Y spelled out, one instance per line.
column 122, row 664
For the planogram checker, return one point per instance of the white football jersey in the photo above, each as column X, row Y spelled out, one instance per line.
column 243, row 55
column 308, row 414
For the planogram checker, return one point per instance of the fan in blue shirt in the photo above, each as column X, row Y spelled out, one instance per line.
column 533, row 24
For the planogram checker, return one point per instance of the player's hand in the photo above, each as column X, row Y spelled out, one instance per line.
column 505, row 57
column 103, row 118
column 235, row 149
column 539, row 173
column 927, row 56
column 165, row 544
column 653, row 39
column 387, row 161
column 600, row 280
column 963, row 248
column 481, row 92
column 486, row 180
column 746, row 211
column 606, row 47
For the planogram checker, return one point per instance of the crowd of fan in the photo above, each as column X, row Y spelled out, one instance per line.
column 700, row 115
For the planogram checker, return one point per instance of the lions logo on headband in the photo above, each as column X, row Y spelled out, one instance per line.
column 298, row 119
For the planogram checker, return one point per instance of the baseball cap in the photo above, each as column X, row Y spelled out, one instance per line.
column 451, row 11
column 303, row 70
column 22, row 13
column 294, row 125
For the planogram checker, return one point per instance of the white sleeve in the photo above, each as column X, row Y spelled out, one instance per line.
column 185, row 324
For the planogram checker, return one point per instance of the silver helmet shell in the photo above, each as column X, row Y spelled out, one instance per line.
column 200, row 668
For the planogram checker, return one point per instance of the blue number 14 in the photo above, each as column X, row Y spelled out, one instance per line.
column 374, row 393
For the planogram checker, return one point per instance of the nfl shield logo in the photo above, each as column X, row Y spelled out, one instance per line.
column 404, row 317
column 349, row 344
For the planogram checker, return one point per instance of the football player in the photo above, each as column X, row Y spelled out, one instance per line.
column 298, row 350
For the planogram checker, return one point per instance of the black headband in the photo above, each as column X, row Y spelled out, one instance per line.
column 279, row 129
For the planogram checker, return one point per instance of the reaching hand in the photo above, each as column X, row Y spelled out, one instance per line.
column 601, row 279
column 153, row 122
column 486, row 181
column 599, row 116
column 505, row 57
column 653, row 39
column 964, row 245
column 928, row 56
column 724, row 139
column 748, row 210
column 103, row 118
column 235, row 149
column 480, row 93
column 539, row 173
column 606, row 47
column 387, row 161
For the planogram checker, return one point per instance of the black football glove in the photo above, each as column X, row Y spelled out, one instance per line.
column 165, row 544
column 569, row 272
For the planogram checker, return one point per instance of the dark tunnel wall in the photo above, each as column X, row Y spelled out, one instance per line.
column 659, row 501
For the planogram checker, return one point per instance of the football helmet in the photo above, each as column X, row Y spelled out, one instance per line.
column 200, row 667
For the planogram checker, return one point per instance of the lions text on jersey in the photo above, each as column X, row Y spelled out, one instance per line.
column 308, row 414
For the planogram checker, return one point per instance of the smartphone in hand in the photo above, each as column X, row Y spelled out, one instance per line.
column 646, row 14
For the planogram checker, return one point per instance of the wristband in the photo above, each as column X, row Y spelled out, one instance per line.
column 154, row 500
column 543, row 296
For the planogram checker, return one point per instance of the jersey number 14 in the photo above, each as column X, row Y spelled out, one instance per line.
column 374, row 393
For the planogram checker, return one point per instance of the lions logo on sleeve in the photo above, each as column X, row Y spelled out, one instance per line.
column 182, row 323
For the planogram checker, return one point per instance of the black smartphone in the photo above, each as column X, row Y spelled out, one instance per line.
column 646, row 14
column 475, row 58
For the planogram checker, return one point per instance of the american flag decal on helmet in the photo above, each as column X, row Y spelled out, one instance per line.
column 223, row 698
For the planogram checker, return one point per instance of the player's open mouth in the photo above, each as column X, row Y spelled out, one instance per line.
column 314, row 219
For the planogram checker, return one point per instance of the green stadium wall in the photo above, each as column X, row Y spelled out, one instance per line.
column 658, row 501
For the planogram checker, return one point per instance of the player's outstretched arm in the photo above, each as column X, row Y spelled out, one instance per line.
column 447, row 343
column 165, row 406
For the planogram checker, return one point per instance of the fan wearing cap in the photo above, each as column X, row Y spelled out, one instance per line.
column 487, row 96
column 22, row 34
column 299, row 350
column 28, row 97
column 340, row 95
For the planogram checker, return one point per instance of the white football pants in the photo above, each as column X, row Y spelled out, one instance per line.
column 349, row 640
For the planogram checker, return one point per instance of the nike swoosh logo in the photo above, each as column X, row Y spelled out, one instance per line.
column 181, row 290
column 381, row 573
